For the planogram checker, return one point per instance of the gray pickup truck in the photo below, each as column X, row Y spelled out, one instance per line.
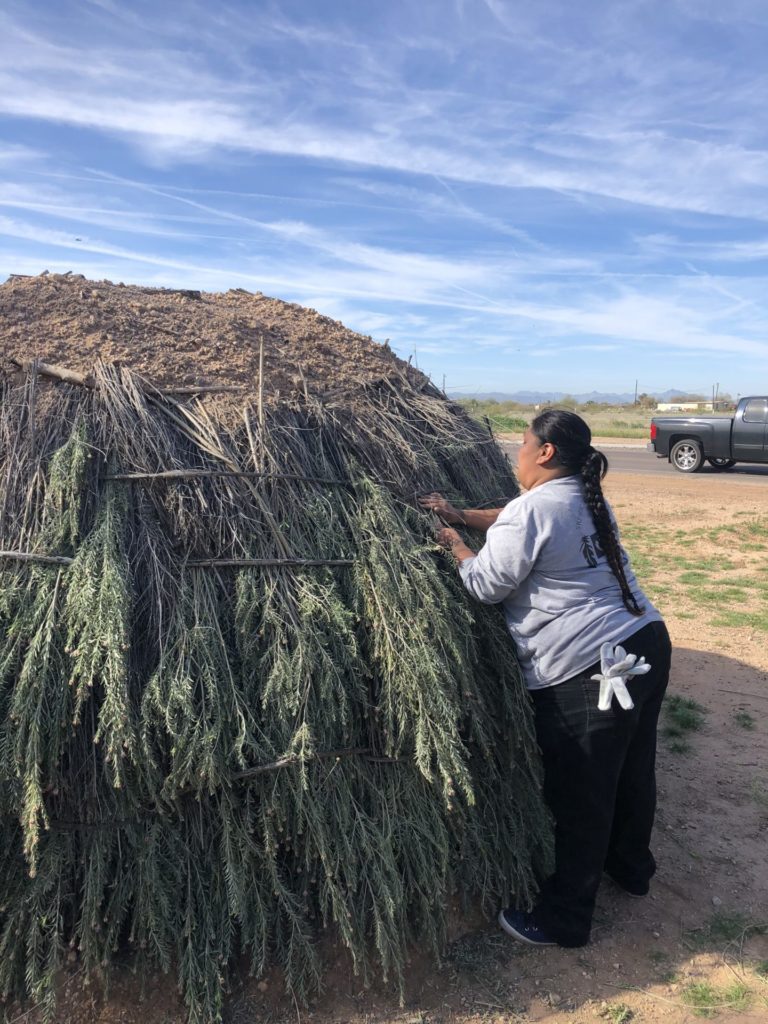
column 722, row 441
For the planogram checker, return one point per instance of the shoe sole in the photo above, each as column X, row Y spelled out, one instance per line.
column 507, row 927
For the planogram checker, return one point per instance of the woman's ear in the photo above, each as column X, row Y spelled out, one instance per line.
column 546, row 454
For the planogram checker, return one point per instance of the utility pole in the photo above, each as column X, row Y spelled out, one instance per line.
column 635, row 401
column 443, row 383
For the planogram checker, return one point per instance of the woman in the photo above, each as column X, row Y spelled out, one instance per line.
column 553, row 560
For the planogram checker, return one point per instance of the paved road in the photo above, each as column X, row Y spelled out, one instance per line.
column 638, row 460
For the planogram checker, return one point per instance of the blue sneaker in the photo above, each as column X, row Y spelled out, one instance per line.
column 521, row 926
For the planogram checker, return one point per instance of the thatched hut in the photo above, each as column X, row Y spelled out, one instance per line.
column 242, row 696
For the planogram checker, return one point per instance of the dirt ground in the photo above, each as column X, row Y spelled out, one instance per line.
column 711, row 890
column 177, row 337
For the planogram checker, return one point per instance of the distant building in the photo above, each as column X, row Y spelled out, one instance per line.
column 684, row 407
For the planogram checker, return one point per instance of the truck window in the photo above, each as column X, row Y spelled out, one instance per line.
column 754, row 411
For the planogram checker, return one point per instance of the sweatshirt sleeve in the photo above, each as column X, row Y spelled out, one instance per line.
column 511, row 549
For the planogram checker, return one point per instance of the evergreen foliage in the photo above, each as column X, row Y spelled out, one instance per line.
column 201, row 761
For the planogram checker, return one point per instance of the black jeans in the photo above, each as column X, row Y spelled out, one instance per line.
column 600, row 784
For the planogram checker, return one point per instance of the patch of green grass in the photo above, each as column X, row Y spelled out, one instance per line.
column 722, row 566
column 680, row 747
column 705, row 597
column 708, row 565
column 722, row 928
column 728, row 925
column 750, row 535
column 705, row 582
column 682, row 715
column 719, row 595
column 761, row 968
column 694, row 576
column 642, row 564
column 618, row 1013
column 477, row 952
column 718, row 531
column 508, row 424
column 701, row 997
column 705, row 1000
column 741, row 581
column 744, row 719
column 660, row 960
column 729, row 618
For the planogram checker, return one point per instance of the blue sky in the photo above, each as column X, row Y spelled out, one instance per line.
column 532, row 194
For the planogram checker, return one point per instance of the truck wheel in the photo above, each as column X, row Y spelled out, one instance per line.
column 722, row 463
column 687, row 456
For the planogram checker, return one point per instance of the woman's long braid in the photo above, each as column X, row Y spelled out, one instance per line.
column 593, row 469
column 572, row 440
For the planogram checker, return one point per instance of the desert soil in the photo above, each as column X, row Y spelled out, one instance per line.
column 176, row 337
column 710, row 842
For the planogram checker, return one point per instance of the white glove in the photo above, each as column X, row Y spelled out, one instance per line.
column 616, row 666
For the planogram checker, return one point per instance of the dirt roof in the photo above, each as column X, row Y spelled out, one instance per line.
column 183, row 337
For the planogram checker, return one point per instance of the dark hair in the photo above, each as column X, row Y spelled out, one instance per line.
column 571, row 438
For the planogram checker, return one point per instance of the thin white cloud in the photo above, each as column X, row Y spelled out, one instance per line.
column 447, row 206
column 60, row 206
column 175, row 108
column 13, row 154
column 753, row 250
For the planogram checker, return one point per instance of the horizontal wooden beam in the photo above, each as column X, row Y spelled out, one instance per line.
column 31, row 556
column 60, row 373
column 191, row 474
column 202, row 563
column 257, row 563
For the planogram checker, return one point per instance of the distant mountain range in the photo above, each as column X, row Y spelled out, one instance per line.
column 537, row 397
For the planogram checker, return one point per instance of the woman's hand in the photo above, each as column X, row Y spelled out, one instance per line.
column 448, row 538
column 442, row 507
column 452, row 541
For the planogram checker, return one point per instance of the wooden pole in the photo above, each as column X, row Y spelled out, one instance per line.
column 30, row 556
column 247, row 563
column 55, row 372
column 66, row 376
column 261, row 382
column 191, row 474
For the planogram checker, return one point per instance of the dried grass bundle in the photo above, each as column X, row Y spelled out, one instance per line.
column 242, row 697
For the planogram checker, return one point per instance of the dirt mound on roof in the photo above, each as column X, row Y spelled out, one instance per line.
column 185, row 338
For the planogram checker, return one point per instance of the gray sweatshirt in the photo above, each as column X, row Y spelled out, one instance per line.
column 543, row 562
